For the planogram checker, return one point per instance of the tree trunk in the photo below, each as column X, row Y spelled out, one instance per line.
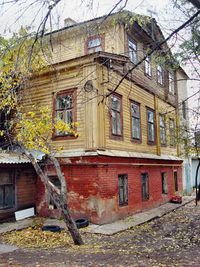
column 59, row 197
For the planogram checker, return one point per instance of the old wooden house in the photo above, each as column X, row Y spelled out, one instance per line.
column 125, row 158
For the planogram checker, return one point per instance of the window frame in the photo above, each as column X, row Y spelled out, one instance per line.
column 136, row 139
column 145, row 193
column 116, row 135
column 160, row 75
column 171, row 82
column 147, row 67
column 124, row 187
column 151, row 142
column 172, row 132
column 131, row 50
column 162, row 130
column 175, row 180
column 164, row 183
column 73, row 93
column 12, row 185
column 93, row 37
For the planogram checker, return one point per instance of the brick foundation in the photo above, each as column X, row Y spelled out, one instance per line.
column 93, row 187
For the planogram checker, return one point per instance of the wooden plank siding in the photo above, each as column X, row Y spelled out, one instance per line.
column 74, row 68
column 129, row 91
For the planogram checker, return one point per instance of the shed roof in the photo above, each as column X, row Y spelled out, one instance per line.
column 12, row 158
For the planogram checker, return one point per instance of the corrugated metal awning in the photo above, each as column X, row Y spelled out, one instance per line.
column 12, row 158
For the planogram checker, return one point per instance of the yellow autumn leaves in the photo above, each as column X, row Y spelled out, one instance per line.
column 35, row 129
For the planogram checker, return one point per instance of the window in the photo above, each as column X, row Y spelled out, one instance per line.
column 151, row 126
column 123, row 189
column 145, row 186
column 184, row 109
column 94, row 44
column 147, row 66
column 65, row 109
column 175, row 181
column 162, row 130
column 172, row 133
column 7, row 190
column 56, row 182
column 160, row 74
column 135, row 120
column 164, row 183
column 171, row 82
column 132, row 49
column 116, row 119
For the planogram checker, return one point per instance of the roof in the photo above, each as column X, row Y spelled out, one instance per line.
column 12, row 158
column 115, row 153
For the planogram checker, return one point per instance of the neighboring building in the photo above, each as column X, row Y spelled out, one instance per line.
column 17, row 184
column 125, row 157
column 184, row 129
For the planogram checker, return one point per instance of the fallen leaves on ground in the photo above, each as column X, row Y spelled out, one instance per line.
column 36, row 238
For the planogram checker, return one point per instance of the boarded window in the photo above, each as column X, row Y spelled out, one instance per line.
column 135, row 115
column 175, row 181
column 162, row 130
column 123, row 189
column 164, row 183
column 65, row 110
column 147, row 66
column 160, row 74
column 132, row 49
column 7, row 190
column 145, row 186
column 116, row 119
column 94, row 44
column 151, row 126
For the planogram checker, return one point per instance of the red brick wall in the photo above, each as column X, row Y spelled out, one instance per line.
column 93, row 187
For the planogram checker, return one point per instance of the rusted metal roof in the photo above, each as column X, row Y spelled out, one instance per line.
column 12, row 158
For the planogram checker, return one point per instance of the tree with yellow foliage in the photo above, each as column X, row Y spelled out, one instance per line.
column 20, row 57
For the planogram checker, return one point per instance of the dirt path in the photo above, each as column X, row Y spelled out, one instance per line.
column 172, row 240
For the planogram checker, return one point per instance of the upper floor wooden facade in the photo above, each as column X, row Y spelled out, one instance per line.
column 89, row 61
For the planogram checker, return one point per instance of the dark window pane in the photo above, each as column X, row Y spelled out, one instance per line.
column 175, row 181
column 145, row 186
column 123, row 189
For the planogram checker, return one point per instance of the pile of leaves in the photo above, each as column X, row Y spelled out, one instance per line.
column 36, row 238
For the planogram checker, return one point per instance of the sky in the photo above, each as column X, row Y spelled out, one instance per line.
column 31, row 12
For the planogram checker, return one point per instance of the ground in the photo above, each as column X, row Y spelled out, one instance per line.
column 172, row 240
